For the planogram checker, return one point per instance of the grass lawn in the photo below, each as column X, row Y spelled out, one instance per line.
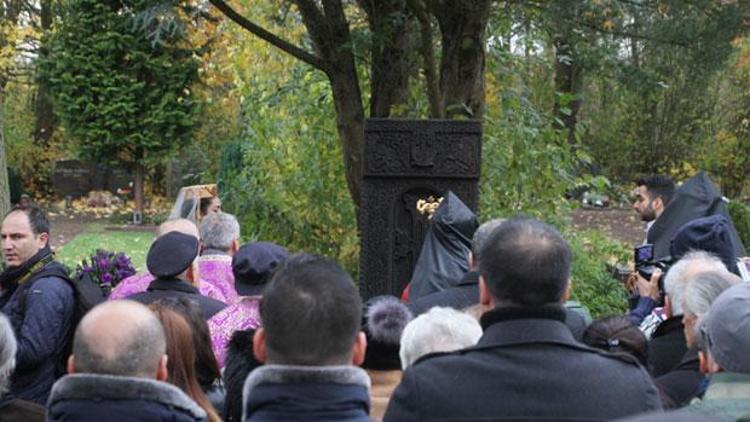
column 134, row 244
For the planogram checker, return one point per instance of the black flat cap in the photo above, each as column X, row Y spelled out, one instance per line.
column 253, row 264
column 171, row 254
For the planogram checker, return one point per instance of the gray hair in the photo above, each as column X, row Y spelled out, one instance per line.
column 438, row 330
column 133, row 346
column 481, row 235
column 684, row 270
column 8, row 349
column 704, row 288
column 219, row 230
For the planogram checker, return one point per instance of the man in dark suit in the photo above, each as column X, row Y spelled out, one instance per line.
column 527, row 364
column 171, row 259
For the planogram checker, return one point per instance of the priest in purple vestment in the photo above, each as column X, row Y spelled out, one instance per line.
column 252, row 266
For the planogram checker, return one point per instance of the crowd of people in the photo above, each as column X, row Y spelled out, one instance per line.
column 219, row 330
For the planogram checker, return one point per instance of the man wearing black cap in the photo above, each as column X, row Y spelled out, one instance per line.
column 170, row 260
column 252, row 265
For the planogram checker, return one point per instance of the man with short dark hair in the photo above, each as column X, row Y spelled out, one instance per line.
column 310, row 339
column 652, row 195
column 527, row 365
column 38, row 301
column 117, row 369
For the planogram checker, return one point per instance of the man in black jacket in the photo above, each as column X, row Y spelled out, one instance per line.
column 310, row 341
column 38, row 301
column 171, row 260
column 117, row 371
column 527, row 364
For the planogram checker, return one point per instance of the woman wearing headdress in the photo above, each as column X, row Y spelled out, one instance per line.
column 195, row 202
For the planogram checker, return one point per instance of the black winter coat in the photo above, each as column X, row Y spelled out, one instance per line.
column 526, row 366
column 162, row 288
column 667, row 346
column 307, row 393
column 95, row 398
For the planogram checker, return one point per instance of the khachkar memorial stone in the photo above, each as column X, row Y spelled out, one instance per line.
column 405, row 161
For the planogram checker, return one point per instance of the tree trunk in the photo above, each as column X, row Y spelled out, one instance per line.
column 393, row 41
column 138, row 193
column 462, row 26
column 568, row 86
column 4, row 183
column 44, row 125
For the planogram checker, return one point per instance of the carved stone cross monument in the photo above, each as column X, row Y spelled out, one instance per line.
column 405, row 161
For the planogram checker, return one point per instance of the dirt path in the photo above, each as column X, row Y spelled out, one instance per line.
column 621, row 223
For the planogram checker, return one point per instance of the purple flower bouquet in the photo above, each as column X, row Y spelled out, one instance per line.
column 106, row 269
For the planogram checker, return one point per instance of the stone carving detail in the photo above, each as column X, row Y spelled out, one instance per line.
column 408, row 160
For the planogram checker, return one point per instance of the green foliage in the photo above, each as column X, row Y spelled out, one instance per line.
column 740, row 214
column 527, row 164
column 134, row 244
column 122, row 97
column 290, row 187
column 593, row 283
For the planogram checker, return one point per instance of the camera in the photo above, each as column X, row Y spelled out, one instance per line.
column 645, row 263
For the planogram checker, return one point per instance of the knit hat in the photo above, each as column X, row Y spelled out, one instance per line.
column 726, row 329
column 711, row 234
column 253, row 264
column 384, row 320
column 171, row 254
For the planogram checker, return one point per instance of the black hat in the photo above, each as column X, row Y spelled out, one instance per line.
column 711, row 234
column 171, row 254
column 384, row 320
column 253, row 264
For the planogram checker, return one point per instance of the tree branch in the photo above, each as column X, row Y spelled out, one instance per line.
column 269, row 37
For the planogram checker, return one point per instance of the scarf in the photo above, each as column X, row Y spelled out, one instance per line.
column 12, row 277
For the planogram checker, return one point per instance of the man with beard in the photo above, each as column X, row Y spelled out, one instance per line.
column 652, row 196
column 37, row 299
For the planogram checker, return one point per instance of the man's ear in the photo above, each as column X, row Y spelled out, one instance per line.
column 42, row 240
column 259, row 345
column 657, row 204
column 668, row 307
column 359, row 348
column 162, row 370
column 71, row 365
column 567, row 293
column 703, row 362
column 485, row 297
column 235, row 246
column 193, row 274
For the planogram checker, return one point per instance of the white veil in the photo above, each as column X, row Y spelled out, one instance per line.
column 187, row 204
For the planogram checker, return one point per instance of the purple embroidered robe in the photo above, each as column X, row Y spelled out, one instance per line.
column 216, row 270
column 139, row 283
column 243, row 315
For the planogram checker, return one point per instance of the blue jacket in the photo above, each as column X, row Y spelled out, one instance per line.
column 306, row 393
column 96, row 397
column 41, row 326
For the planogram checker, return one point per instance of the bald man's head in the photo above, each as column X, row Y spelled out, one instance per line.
column 119, row 338
column 182, row 225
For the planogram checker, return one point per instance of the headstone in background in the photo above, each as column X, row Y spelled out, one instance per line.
column 76, row 178
column 405, row 161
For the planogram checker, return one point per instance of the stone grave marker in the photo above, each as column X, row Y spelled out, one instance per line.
column 405, row 161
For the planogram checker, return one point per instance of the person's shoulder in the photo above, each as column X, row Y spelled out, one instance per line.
column 53, row 284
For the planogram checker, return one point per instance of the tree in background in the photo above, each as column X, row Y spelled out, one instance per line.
column 122, row 96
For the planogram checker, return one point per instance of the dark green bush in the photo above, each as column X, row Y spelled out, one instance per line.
column 593, row 284
column 740, row 214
